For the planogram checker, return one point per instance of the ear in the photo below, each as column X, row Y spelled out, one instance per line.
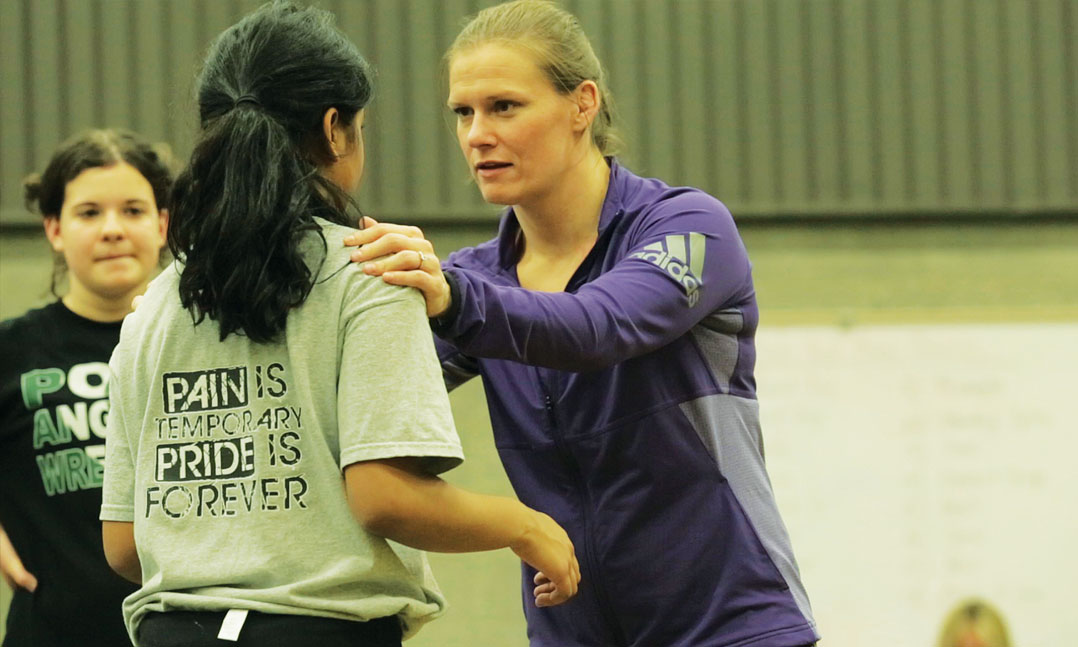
column 52, row 232
column 330, row 122
column 162, row 223
column 588, row 100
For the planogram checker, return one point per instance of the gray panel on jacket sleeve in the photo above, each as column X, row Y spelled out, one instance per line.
column 716, row 336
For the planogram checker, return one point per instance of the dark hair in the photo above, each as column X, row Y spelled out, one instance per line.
column 251, row 189
column 44, row 192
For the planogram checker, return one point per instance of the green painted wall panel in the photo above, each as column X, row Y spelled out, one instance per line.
column 791, row 148
column 186, row 48
column 957, row 140
column 426, row 103
column 78, row 75
column 757, row 72
column 692, row 108
column 727, row 123
column 1052, row 45
column 16, row 157
column 856, row 138
column 800, row 107
column 824, row 116
column 150, row 66
column 925, row 105
column 663, row 128
column 891, row 110
column 1021, row 106
column 114, row 60
column 42, row 110
column 1071, row 64
column 990, row 159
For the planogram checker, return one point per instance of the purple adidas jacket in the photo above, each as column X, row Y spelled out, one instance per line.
column 625, row 408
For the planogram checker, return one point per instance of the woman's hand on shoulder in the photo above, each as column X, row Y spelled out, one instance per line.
column 402, row 256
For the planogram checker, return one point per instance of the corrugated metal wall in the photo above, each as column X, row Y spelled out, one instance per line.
column 828, row 107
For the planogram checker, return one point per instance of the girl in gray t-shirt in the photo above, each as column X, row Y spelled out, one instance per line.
column 277, row 417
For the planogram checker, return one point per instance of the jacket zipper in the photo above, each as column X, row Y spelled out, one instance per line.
column 589, row 560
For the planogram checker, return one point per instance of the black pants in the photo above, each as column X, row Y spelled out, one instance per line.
column 200, row 629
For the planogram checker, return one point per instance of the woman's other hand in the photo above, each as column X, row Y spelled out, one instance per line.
column 402, row 256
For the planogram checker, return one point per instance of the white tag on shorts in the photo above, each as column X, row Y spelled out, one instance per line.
column 231, row 625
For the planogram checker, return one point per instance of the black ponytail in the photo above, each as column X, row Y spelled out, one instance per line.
column 251, row 189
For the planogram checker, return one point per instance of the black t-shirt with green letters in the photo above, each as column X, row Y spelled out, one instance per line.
column 53, row 410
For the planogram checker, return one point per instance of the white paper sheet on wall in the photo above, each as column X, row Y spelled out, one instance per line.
column 919, row 465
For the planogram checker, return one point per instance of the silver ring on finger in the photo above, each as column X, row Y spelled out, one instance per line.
column 422, row 258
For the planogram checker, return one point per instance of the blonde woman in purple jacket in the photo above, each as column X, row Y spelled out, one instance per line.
column 612, row 320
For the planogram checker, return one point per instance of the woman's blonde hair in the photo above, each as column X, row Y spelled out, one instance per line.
column 974, row 622
column 562, row 50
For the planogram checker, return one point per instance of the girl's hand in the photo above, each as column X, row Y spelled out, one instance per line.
column 402, row 256
column 14, row 573
column 546, row 548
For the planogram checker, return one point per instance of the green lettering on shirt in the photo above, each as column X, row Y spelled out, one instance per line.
column 69, row 470
column 45, row 431
column 38, row 383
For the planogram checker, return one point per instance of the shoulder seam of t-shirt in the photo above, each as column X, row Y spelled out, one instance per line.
column 379, row 301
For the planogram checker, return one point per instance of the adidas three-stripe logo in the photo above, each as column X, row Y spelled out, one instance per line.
column 682, row 256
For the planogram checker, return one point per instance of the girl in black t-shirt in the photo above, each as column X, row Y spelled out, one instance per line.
column 100, row 199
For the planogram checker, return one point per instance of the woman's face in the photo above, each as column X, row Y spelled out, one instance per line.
column 518, row 134
column 109, row 231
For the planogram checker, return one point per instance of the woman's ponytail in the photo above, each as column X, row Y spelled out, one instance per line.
column 251, row 189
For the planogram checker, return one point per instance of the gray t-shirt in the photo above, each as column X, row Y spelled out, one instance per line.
column 228, row 456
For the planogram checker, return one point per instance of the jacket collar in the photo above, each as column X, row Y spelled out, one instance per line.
column 510, row 237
